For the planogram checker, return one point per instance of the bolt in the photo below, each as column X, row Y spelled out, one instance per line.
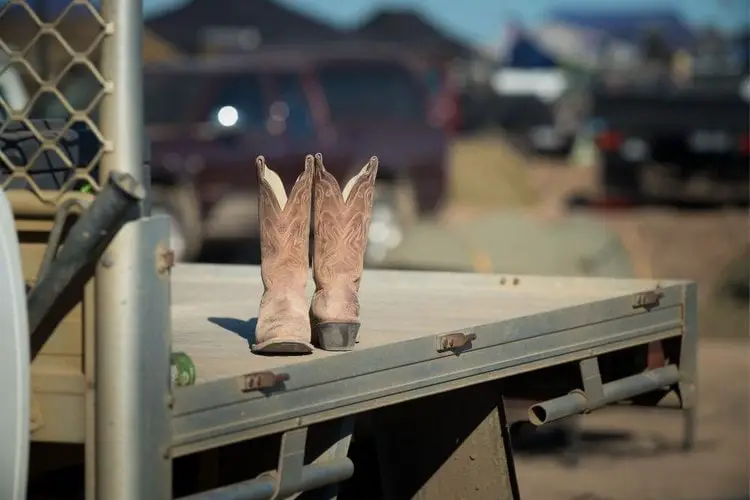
column 165, row 259
column 107, row 261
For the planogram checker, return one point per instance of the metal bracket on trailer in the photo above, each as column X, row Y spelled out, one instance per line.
column 596, row 394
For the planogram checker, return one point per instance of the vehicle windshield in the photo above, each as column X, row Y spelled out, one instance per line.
column 382, row 90
column 166, row 98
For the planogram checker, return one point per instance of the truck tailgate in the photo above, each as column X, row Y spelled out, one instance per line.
column 660, row 113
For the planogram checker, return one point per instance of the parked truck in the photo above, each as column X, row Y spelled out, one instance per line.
column 673, row 133
column 141, row 384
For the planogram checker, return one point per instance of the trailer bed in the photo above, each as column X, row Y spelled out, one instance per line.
column 521, row 323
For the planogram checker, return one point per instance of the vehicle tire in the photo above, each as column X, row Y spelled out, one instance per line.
column 393, row 210
column 180, row 205
column 621, row 179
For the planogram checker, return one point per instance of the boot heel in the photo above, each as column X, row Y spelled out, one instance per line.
column 336, row 336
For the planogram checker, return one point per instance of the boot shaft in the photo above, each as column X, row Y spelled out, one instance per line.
column 284, row 226
column 341, row 219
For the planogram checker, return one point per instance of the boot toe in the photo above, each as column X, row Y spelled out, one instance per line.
column 282, row 346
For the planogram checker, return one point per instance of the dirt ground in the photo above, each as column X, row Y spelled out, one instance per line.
column 706, row 246
column 632, row 454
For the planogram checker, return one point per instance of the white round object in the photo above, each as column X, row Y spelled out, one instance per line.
column 14, row 362
column 228, row 116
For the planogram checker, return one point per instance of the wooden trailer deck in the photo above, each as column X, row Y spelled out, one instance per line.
column 521, row 323
column 214, row 310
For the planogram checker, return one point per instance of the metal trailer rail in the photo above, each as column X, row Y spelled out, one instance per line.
column 517, row 324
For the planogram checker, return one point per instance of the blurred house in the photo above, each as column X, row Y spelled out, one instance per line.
column 628, row 25
column 567, row 44
column 410, row 28
column 613, row 38
column 741, row 50
column 209, row 26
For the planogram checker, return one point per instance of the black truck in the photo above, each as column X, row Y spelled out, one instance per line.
column 695, row 129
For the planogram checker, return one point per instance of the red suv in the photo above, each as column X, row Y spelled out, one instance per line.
column 208, row 119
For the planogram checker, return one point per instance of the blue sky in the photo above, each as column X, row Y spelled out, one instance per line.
column 481, row 21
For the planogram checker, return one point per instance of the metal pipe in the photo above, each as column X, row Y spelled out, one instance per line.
column 133, row 338
column 577, row 401
column 314, row 476
column 53, row 297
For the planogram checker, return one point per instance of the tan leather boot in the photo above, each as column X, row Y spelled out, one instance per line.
column 341, row 219
column 283, row 322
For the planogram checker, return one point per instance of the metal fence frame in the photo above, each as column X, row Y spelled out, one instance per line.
column 132, row 450
column 125, row 364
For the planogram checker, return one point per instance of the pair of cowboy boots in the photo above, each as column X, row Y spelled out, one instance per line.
column 341, row 219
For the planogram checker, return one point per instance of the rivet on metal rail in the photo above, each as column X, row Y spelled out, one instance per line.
column 164, row 258
column 648, row 300
column 455, row 341
column 261, row 380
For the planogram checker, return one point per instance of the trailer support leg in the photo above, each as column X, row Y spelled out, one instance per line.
column 133, row 393
column 133, row 343
column 451, row 445
column 689, row 363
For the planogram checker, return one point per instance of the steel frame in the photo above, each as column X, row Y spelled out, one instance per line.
column 131, row 455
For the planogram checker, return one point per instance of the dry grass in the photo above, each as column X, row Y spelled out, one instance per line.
column 703, row 247
column 487, row 173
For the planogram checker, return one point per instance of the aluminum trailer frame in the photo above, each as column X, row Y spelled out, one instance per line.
column 520, row 324
column 424, row 334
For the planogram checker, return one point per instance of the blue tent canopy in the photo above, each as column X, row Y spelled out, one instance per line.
column 525, row 53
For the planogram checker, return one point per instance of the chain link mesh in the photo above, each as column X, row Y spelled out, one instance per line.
column 51, row 88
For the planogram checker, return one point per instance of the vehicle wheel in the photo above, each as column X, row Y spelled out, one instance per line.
column 186, row 238
column 392, row 211
column 621, row 179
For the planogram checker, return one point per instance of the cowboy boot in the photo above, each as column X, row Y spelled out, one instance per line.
column 283, row 323
column 341, row 219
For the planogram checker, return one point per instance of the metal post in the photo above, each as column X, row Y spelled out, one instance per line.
column 689, row 363
column 132, row 451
